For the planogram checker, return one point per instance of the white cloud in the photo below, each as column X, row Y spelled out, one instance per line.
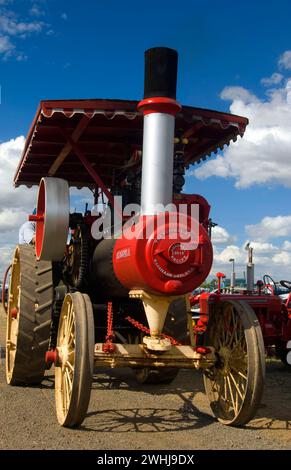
column 286, row 245
column 36, row 11
column 263, row 155
column 10, row 153
column 13, row 28
column 5, row 258
column 263, row 247
column 64, row 16
column 11, row 218
column 221, row 236
column 15, row 204
column 283, row 260
column 270, row 227
column 269, row 257
column 20, row 56
column 285, row 60
column 274, row 79
column 238, row 93
column 232, row 251
column 5, row 45
column 12, row 200
column 274, row 261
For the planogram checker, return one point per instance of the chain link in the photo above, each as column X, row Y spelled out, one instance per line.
column 109, row 346
column 146, row 330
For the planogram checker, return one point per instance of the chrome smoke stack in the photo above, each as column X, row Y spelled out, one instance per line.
column 159, row 108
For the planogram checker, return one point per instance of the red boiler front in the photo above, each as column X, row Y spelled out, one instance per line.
column 155, row 259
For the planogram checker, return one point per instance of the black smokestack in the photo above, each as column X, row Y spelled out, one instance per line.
column 160, row 76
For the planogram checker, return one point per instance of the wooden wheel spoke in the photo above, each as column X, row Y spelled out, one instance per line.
column 232, row 328
column 236, row 386
column 225, row 389
column 64, row 394
column 70, row 366
column 71, row 354
column 242, row 375
column 67, row 317
column 69, row 381
column 70, row 320
column 71, row 339
column 234, row 403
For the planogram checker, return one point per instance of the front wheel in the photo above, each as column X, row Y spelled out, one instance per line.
column 234, row 385
column 75, row 359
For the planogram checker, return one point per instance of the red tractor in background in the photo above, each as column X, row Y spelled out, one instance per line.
column 272, row 310
column 116, row 301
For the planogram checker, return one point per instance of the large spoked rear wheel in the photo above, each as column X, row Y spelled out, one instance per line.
column 30, row 298
column 75, row 350
column 235, row 384
column 176, row 327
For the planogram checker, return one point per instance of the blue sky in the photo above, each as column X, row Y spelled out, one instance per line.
column 94, row 49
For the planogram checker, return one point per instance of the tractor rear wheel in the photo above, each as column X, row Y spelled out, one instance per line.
column 234, row 385
column 176, row 327
column 30, row 301
column 75, row 359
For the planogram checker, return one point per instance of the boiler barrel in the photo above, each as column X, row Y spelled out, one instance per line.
column 103, row 270
column 152, row 256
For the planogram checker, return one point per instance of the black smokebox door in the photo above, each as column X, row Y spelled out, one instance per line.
column 160, row 72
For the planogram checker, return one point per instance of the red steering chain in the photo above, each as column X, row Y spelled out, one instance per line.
column 143, row 328
column 109, row 346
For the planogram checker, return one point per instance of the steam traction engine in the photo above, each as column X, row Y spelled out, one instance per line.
column 122, row 301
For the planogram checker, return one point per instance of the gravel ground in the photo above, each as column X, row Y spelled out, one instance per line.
column 124, row 415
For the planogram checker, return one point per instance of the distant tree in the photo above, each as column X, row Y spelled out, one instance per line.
column 209, row 284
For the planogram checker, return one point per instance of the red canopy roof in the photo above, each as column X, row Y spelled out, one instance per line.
column 106, row 133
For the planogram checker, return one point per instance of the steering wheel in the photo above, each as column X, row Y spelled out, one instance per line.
column 286, row 284
column 270, row 283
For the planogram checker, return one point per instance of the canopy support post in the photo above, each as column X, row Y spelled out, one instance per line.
column 89, row 167
column 78, row 131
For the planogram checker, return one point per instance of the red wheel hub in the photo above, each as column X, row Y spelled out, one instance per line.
column 14, row 312
column 51, row 357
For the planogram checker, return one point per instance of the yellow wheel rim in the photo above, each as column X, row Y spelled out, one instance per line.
column 75, row 359
column 13, row 321
column 66, row 344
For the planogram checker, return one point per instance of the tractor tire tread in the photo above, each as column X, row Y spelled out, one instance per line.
column 34, row 318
